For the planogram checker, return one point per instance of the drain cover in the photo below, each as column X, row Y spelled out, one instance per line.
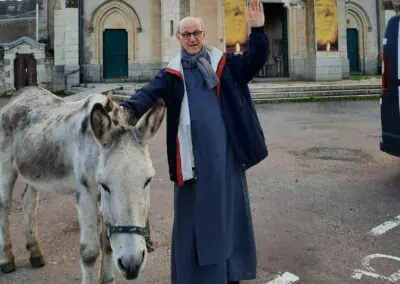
column 341, row 154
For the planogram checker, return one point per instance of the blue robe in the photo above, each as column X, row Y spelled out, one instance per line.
column 213, row 239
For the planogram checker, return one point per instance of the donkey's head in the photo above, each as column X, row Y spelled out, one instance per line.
column 123, row 173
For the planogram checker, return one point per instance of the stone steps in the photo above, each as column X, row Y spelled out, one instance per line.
column 315, row 93
column 101, row 88
column 297, row 92
column 264, row 92
column 313, row 88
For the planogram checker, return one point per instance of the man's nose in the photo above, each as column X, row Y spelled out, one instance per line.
column 192, row 39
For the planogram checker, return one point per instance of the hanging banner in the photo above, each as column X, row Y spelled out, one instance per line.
column 236, row 28
column 326, row 25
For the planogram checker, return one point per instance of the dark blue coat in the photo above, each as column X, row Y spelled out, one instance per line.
column 235, row 72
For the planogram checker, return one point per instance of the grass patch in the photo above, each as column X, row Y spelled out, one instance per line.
column 363, row 77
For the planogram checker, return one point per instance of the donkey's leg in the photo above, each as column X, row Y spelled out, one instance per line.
column 8, row 176
column 106, row 268
column 30, row 199
column 89, row 237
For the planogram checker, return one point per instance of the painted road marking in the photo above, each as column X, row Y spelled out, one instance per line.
column 358, row 274
column 369, row 271
column 285, row 278
column 383, row 228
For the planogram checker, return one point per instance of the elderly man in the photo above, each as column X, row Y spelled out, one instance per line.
column 213, row 136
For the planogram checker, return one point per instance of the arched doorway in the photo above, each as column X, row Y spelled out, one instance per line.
column 115, row 53
column 25, row 73
column 115, row 25
column 357, row 27
column 353, row 50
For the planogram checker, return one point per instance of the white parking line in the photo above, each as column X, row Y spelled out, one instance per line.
column 369, row 271
column 383, row 228
column 285, row 278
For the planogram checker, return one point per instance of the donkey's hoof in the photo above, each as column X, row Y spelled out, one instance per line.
column 8, row 267
column 37, row 262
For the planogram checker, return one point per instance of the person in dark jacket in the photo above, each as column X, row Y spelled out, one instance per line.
column 213, row 136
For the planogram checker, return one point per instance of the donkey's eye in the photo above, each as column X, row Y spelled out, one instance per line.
column 105, row 187
column 147, row 183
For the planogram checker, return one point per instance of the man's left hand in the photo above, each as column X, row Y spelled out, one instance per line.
column 255, row 13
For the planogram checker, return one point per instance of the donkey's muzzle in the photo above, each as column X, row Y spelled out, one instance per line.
column 130, row 265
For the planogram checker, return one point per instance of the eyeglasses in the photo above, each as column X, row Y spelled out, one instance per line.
column 187, row 35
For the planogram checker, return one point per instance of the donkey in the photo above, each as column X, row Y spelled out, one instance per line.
column 89, row 147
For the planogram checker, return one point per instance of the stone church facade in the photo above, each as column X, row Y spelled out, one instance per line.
column 130, row 40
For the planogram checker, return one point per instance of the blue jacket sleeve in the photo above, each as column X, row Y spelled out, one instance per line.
column 257, row 54
column 144, row 98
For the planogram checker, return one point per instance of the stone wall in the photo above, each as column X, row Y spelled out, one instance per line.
column 13, row 29
column 53, row 6
column 208, row 11
column 141, row 19
column 297, row 37
column 58, row 82
column 43, row 17
column 138, row 72
column 184, row 8
column 66, row 51
column 364, row 18
column 170, row 15
column 66, row 37
column 2, row 77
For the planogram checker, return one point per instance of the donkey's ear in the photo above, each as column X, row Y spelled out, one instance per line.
column 110, row 103
column 150, row 122
column 101, row 124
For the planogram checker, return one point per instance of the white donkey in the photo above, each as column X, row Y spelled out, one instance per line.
column 85, row 147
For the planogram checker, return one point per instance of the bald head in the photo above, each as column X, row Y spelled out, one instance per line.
column 190, row 21
column 190, row 34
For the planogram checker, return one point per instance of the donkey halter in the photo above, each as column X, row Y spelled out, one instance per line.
column 143, row 231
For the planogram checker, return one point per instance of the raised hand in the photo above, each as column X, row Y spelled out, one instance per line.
column 255, row 14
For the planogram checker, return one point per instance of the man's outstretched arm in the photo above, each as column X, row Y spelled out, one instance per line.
column 143, row 99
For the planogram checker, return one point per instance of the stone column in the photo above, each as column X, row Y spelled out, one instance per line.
column 170, row 17
column 2, row 79
column 297, row 40
column 184, row 8
column 66, row 52
column 192, row 7
column 43, row 33
column 309, row 54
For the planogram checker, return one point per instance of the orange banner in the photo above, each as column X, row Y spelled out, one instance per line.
column 326, row 25
column 236, row 28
